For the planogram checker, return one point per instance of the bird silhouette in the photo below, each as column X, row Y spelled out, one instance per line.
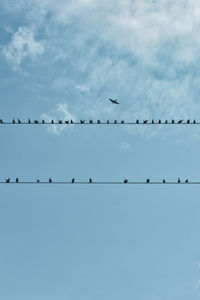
column 179, row 181
column 159, row 122
column 1, row 121
column 145, row 121
column 164, row 181
column 8, row 180
column 82, row 121
column 115, row 122
column 148, row 180
column 52, row 121
column 66, row 122
column 43, row 121
column 194, row 122
column 137, row 121
column 38, row 181
column 166, row 121
column 19, row 121
column 98, row 121
column 172, row 121
column 91, row 121
column 17, row 180
column 13, row 121
column 71, row 122
column 29, row 121
column 180, row 121
column 36, row 121
column 188, row 121
column 60, row 121
column 122, row 122
column 186, row 181
column 125, row 180
column 50, row 180
column 108, row 121
column 152, row 121
column 73, row 179
column 114, row 101
column 90, row 180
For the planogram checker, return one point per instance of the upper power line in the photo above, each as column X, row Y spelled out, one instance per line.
column 99, row 122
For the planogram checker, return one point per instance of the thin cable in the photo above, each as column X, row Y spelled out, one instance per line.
column 103, row 183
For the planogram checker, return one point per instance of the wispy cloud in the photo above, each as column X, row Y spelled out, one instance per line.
column 61, row 113
column 146, row 53
column 22, row 45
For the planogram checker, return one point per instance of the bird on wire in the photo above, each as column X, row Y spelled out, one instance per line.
column 8, row 180
column 186, row 181
column 38, row 181
column 148, row 180
column 90, row 180
column 19, row 121
column 73, row 180
column 17, row 180
column 50, row 180
column 179, row 181
column 114, row 101
column 125, row 180
column 164, row 181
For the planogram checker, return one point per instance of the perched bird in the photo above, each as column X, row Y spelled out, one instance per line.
column 98, row 121
column 1, row 121
column 8, row 180
column 36, row 121
column 91, row 121
column 82, row 121
column 194, row 121
column 90, row 180
column 17, row 180
column 145, row 121
column 73, row 179
column 38, row 181
column 43, row 121
column 179, row 181
column 52, row 121
column 172, row 121
column 114, row 101
column 186, row 181
column 122, row 122
column 115, row 122
column 108, row 121
column 152, row 121
column 164, row 181
column 19, row 121
column 71, row 122
column 159, row 122
column 13, row 121
column 29, row 121
column 188, row 121
column 180, row 121
column 66, row 122
column 125, row 180
column 166, row 121
column 60, row 121
column 148, row 180
column 50, row 180
column 137, row 121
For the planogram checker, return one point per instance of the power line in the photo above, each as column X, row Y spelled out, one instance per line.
column 99, row 122
column 103, row 183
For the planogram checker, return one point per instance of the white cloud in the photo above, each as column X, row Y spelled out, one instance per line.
column 61, row 113
column 22, row 45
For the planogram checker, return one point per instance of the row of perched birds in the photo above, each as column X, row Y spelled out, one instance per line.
column 18, row 121
column 7, row 180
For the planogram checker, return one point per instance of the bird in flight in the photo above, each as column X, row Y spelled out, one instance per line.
column 114, row 101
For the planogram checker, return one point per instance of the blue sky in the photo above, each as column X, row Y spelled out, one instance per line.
column 64, row 59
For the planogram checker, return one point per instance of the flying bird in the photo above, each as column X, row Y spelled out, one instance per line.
column 114, row 101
